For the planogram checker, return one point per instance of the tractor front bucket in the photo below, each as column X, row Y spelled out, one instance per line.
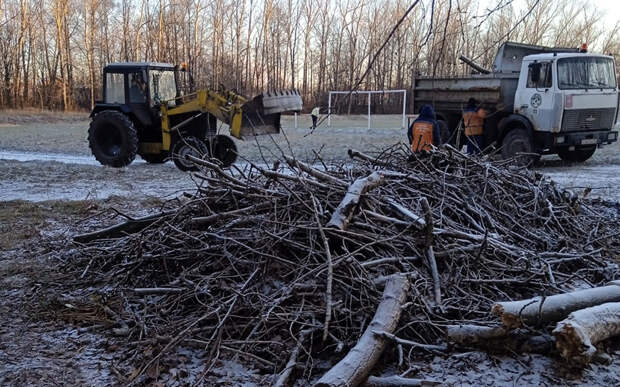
column 261, row 115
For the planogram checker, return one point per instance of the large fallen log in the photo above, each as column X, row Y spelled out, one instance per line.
column 342, row 215
column 468, row 334
column 397, row 381
column 357, row 364
column 499, row 338
column 583, row 328
column 118, row 230
column 537, row 310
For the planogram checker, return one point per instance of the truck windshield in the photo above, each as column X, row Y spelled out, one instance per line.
column 586, row 73
column 163, row 86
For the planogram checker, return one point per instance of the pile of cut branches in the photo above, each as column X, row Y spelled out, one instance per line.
column 308, row 260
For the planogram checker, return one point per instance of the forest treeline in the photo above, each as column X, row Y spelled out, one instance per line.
column 52, row 51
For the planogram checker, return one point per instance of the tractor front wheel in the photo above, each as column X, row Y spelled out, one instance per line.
column 113, row 139
column 222, row 148
column 185, row 146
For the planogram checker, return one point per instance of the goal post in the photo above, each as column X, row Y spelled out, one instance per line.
column 369, row 93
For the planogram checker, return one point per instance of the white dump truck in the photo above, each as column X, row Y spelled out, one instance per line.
column 541, row 100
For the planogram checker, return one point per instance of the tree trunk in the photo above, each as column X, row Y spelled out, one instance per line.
column 357, row 364
column 344, row 212
column 583, row 328
column 553, row 308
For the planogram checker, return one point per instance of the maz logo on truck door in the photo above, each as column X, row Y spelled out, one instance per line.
column 536, row 100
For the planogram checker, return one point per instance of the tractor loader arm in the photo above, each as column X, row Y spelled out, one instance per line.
column 255, row 117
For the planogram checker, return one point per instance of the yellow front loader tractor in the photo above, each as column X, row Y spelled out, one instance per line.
column 144, row 113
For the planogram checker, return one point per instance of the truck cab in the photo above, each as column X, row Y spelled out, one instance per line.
column 570, row 100
column 540, row 100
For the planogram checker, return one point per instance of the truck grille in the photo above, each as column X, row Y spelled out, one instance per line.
column 587, row 119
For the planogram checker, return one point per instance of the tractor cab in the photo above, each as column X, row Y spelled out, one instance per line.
column 142, row 114
column 138, row 88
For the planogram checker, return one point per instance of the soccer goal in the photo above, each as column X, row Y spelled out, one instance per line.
column 369, row 94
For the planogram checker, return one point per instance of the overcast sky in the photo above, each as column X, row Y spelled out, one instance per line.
column 609, row 8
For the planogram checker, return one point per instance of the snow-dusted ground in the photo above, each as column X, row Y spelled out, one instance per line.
column 47, row 157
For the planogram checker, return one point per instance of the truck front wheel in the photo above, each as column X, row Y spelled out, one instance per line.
column 519, row 145
column 577, row 155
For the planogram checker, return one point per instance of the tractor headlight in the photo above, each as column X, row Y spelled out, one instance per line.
column 612, row 136
column 559, row 140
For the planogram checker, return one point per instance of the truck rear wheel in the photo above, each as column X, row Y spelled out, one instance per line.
column 519, row 145
column 185, row 146
column 577, row 155
column 113, row 139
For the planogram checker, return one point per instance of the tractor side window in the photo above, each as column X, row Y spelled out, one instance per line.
column 163, row 86
column 115, row 88
column 137, row 88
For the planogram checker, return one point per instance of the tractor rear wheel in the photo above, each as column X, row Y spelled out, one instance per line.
column 185, row 146
column 113, row 139
column 154, row 158
column 577, row 155
column 222, row 148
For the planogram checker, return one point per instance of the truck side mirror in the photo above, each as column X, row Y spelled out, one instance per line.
column 535, row 72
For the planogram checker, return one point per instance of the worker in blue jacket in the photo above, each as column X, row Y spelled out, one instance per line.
column 424, row 131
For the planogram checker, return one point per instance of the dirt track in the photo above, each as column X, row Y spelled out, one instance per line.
column 45, row 161
column 46, row 157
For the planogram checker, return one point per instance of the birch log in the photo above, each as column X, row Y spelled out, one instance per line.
column 553, row 308
column 397, row 381
column 342, row 215
column 357, row 364
column 583, row 328
column 500, row 338
column 473, row 334
column 293, row 163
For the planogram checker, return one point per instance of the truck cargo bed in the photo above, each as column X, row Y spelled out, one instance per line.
column 451, row 94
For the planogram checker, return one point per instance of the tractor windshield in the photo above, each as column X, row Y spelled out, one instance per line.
column 586, row 73
column 162, row 85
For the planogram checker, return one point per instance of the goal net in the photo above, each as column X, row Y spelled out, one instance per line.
column 378, row 108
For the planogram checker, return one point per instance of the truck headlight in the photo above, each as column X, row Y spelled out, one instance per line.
column 612, row 136
column 559, row 140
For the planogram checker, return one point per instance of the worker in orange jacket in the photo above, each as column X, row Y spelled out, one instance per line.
column 473, row 119
column 424, row 131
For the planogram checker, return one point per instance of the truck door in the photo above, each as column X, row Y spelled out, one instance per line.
column 536, row 97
